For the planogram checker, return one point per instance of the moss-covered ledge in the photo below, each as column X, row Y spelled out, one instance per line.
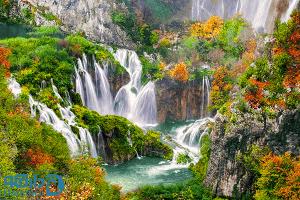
column 119, row 139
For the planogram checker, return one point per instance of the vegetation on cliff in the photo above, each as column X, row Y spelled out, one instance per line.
column 125, row 139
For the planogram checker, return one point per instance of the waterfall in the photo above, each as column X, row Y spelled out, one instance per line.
column 293, row 4
column 189, row 136
column 76, row 145
column 55, row 90
column 14, row 87
column 260, row 13
column 205, row 93
column 48, row 116
column 85, row 86
column 133, row 101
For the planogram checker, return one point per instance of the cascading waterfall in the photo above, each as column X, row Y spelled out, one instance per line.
column 205, row 93
column 133, row 101
column 14, row 87
column 293, row 4
column 76, row 145
column 189, row 136
column 260, row 13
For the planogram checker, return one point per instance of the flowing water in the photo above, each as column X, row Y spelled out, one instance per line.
column 77, row 145
column 260, row 13
column 133, row 101
column 146, row 171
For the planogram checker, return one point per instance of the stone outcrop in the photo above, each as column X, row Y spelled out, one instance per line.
column 226, row 175
column 91, row 17
column 178, row 101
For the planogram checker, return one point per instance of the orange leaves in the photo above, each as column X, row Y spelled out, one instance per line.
column 37, row 157
column 280, row 176
column 221, row 87
column 180, row 72
column 220, row 76
column 209, row 29
column 255, row 95
column 292, row 78
column 4, row 53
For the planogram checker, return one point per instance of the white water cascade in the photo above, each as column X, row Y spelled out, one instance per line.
column 205, row 93
column 84, row 144
column 189, row 136
column 260, row 13
column 14, row 87
column 133, row 101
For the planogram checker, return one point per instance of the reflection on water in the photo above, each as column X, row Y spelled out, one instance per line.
column 13, row 30
column 146, row 171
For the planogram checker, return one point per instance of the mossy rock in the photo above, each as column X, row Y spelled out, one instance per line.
column 122, row 139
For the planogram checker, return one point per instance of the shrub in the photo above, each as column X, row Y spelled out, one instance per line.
column 208, row 30
column 180, row 72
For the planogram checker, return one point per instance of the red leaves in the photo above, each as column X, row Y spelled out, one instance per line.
column 37, row 157
column 292, row 77
column 255, row 96
column 4, row 53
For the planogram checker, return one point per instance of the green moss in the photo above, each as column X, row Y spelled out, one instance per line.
column 200, row 168
column 183, row 159
column 126, row 138
column 155, row 147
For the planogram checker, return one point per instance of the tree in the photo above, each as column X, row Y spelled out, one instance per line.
column 180, row 72
column 221, row 86
column 4, row 53
column 209, row 29
column 279, row 177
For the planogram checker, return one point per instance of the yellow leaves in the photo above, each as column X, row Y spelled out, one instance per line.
column 280, row 177
column 209, row 29
column 162, row 66
column 180, row 72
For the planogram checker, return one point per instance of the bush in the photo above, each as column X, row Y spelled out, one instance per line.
column 201, row 167
column 191, row 190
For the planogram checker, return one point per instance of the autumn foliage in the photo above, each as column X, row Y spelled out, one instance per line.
column 180, row 72
column 37, row 157
column 209, row 29
column 4, row 53
column 221, row 86
column 280, row 177
column 248, row 58
column 255, row 94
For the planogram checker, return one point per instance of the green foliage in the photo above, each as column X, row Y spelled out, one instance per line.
column 154, row 147
column 122, row 129
column 20, row 132
column 6, row 6
column 228, row 38
column 282, row 32
column 86, row 177
column 192, row 190
column 190, row 42
column 200, row 168
column 183, row 159
column 251, row 159
column 37, row 59
column 150, row 70
column 43, row 31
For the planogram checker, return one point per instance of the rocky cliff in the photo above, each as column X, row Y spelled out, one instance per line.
column 226, row 174
column 91, row 17
column 178, row 101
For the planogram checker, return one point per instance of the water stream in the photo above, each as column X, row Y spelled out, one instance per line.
column 133, row 101
column 260, row 13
